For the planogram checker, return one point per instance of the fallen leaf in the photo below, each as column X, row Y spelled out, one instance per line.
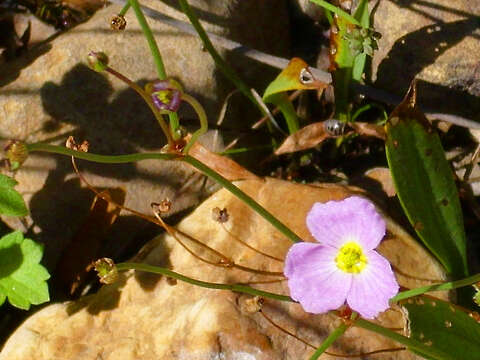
column 368, row 129
column 223, row 165
column 305, row 138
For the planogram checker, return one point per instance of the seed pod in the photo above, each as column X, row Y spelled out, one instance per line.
column 118, row 23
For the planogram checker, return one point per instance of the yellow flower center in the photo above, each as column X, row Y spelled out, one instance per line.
column 165, row 96
column 350, row 258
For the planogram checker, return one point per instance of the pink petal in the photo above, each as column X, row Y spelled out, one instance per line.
column 352, row 219
column 313, row 278
column 373, row 287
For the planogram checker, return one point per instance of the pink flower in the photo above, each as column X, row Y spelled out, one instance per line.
column 343, row 266
column 164, row 95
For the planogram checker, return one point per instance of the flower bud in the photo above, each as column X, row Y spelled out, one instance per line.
column 118, row 22
column 97, row 61
column 107, row 271
column 165, row 94
column 17, row 153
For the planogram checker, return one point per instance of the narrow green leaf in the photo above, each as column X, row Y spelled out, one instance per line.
column 11, row 202
column 440, row 325
column 22, row 278
column 336, row 10
column 296, row 76
column 362, row 15
column 282, row 101
column 425, row 184
column 359, row 66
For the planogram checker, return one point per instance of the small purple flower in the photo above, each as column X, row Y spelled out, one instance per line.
column 344, row 267
column 165, row 96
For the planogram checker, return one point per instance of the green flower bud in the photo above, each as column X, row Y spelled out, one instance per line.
column 107, row 271
column 98, row 61
column 17, row 153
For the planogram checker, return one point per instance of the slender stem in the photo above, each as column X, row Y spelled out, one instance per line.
column 232, row 287
column 161, row 156
column 124, row 9
column 147, row 99
column 157, row 58
column 202, row 116
column 334, row 335
column 337, row 10
column 147, row 32
column 224, row 67
column 242, row 196
column 436, row 287
column 105, row 159
column 412, row 344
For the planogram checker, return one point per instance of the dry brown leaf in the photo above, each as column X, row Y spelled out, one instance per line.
column 368, row 129
column 225, row 166
column 305, row 138
column 384, row 177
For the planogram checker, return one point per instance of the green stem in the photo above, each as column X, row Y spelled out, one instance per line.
column 105, row 159
column 124, row 9
column 231, row 287
column 223, row 66
column 412, row 344
column 334, row 335
column 157, row 58
column 242, row 196
column 117, row 159
column 147, row 32
column 246, row 149
column 337, row 10
column 202, row 116
column 436, row 287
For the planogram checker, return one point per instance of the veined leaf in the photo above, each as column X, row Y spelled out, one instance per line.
column 425, row 184
column 439, row 324
column 11, row 202
column 22, row 278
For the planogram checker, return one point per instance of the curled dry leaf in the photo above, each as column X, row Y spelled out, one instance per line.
column 314, row 134
column 225, row 166
column 305, row 138
column 368, row 129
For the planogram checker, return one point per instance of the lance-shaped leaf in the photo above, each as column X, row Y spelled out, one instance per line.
column 306, row 138
column 296, row 76
column 425, row 184
column 441, row 325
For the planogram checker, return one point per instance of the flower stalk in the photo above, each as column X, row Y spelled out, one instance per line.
column 232, row 287
column 334, row 335
column 157, row 58
column 117, row 159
